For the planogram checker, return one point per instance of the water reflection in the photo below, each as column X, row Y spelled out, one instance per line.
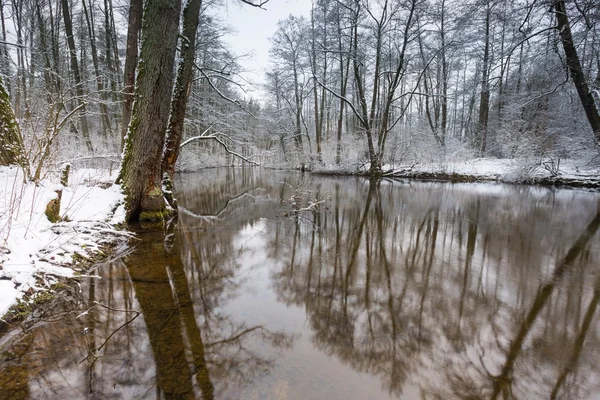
column 387, row 290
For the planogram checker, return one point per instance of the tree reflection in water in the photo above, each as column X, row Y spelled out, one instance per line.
column 423, row 291
column 185, row 346
column 391, row 290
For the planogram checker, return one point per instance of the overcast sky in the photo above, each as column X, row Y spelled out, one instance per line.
column 252, row 29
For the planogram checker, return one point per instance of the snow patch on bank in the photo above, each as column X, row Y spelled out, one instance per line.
column 34, row 251
column 503, row 169
column 490, row 169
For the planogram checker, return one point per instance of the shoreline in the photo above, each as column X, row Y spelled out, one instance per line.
column 40, row 250
column 113, row 242
column 556, row 182
column 32, row 304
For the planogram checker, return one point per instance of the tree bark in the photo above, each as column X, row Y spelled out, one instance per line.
column 131, row 56
column 5, row 67
column 183, row 81
column 11, row 143
column 141, row 166
column 484, row 103
column 574, row 65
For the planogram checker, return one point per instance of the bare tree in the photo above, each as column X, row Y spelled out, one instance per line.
column 575, row 68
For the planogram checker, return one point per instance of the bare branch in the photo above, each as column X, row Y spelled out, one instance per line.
column 356, row 113
column 217, row 139
column 224, row 97
column 12, row 44
column 260, row 4
column 196, row 137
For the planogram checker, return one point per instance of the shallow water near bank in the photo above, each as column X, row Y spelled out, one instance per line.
column 278, row 285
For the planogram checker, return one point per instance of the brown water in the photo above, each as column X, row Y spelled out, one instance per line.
column 391, row 290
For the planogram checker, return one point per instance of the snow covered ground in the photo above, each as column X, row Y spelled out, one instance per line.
column 34, row 251
column 503, row 170
column 509, row 170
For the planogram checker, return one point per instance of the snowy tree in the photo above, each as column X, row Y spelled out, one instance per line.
column 11, row 142
column 141, row 165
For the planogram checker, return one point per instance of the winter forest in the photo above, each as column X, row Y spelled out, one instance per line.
column 354, row 83
column 398, row 200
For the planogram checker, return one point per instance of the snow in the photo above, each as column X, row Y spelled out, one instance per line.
column 505, row 170
column 34, row 251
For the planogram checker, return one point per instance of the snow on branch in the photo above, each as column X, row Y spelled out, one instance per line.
column 340, row 97
column 260, row 4
column 216, row 138
column 196, row 137
column 222, row 95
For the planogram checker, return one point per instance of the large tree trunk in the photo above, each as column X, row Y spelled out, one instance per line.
column 131, row 55
column 11, row 143
column 141, row 166
column 5, row 65
column 183, row 80
column 585, row 96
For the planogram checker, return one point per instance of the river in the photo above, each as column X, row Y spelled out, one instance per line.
column 278, row 285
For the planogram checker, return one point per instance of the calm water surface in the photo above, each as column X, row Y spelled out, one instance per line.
column 385, row 291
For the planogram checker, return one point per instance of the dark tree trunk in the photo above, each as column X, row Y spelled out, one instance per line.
column 183, row 81
column 297, row 97
column 11, row 143
column 363, row 113
column 49, row 77
column 141, row 166
column 484, row 103
column 131, row 55
column 106, row 128
column 76, row 73
column 444, row 97
column 5, row 67
column 585, row 96
column 344, row 72
column 318, row 106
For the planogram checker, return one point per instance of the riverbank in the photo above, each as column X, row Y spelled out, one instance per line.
column 37, row 255
column 556, row 173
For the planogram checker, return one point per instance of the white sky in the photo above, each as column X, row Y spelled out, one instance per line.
column 252, row 28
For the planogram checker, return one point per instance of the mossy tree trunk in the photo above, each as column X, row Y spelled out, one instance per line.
column 131, row 59
column 141, row 166
column 12, row 150
column 183, row 80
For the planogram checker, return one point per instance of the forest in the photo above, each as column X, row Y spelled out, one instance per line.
column 310, row 258
column 356, row 84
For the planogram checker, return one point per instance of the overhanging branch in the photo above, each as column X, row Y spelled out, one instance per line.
column 218, row 140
